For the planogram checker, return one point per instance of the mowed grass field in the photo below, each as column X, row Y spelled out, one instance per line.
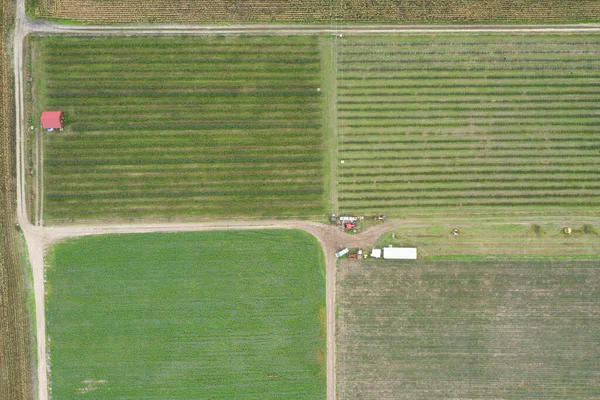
column 478, row 122
column 182, row 126
column 476, row 329
column 218, row 315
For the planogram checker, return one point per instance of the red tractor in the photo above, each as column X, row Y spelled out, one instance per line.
column 349, row 225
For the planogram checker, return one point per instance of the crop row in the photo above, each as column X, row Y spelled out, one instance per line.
column 591, row 51
column 467, row 61
column 412, row 194
column 192, row 43
column 472, row 115
column 472, row 76
column 475, row 107
column 188, row 67
column 267, row 190
column 183, row 177
column 465, row 189
column 474, row 100
column 483, row 42
column 179, row 134
column 507, row 138
column 190, row 116
column 213, row 109
column 194, row 99
column 186, row 142
column 591, row 66
column 198, row 126
column 175, row 75
column 450, row 91
column 455, row 122
column 471, row 84
column 367, row 183
column 284, row 83
column 398, row 205
column 187, row 151
column 294, row 61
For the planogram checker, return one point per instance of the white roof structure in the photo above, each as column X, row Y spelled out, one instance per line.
column 376, row 253
column 399, row 253
column 342, row 252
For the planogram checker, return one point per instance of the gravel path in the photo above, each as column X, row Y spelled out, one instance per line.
column 330, row 237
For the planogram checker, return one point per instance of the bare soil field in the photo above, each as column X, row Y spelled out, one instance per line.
column 306, row 11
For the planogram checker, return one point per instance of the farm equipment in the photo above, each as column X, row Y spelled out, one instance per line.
column 349, row 225
column 352, row 256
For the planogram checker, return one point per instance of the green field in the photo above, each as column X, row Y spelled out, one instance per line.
column 497, row 240
column 220, row 315
column 181, row 126
column 471, row 123
column 472, row 329
column 177, row 127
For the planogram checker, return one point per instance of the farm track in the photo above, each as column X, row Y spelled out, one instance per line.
column 38, row 238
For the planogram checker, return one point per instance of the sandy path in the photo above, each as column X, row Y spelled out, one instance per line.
column 330, row 237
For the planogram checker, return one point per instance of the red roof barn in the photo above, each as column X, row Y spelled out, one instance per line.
column 53, row 120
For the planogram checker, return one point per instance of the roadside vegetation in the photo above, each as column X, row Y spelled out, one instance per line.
column 318, row 11
column 215, row 315
column 16, row 381
column 472, row 123
column 500, row 240
column 468, row 329
column 161, row 127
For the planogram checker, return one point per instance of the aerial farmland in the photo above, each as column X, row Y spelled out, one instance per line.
column 480, row 122
column 176, row 313
column 249, row 127
column 204, row 191
column 468, row 328
column 171, row 126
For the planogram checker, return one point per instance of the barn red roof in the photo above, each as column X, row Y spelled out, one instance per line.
column 52, row 119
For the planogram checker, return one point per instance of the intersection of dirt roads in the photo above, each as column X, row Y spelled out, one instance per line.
column 39, row 238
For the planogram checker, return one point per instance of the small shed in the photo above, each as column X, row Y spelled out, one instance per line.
column 376, row 253
column 399, row 253
column 53, row 120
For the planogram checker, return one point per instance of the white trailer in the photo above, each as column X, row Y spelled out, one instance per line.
column 342, row 252
column 399, row 253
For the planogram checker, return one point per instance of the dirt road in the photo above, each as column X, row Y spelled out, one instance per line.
column 331, row 238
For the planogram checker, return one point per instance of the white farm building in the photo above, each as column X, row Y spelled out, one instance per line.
column 399, row 253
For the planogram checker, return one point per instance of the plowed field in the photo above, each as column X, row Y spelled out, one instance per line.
column 470, row 329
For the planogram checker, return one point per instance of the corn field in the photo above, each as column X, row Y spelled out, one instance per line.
column 15, row 354
column 317, row 11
